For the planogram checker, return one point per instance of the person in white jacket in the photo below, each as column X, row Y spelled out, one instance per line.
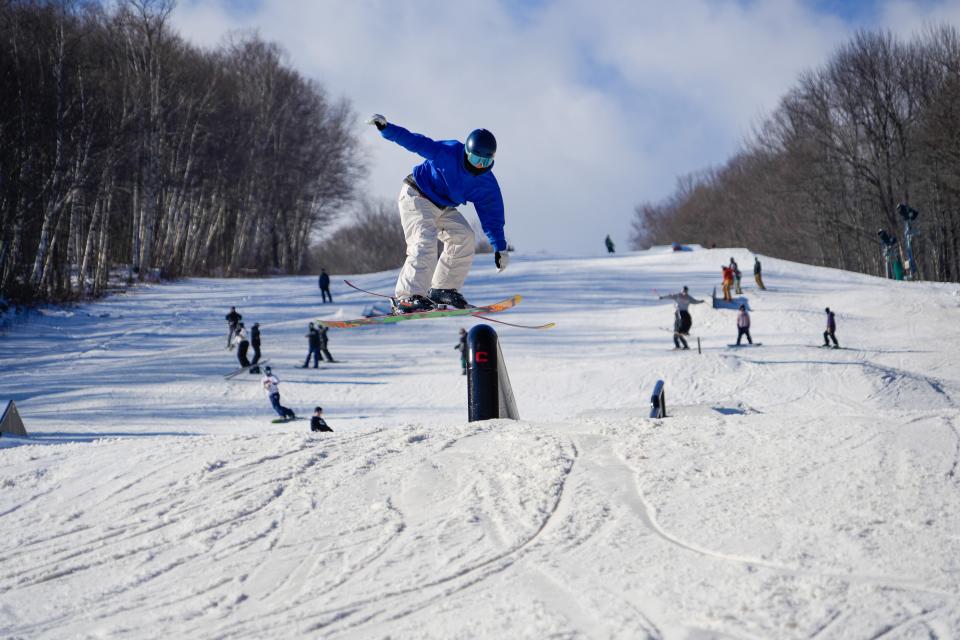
column 743, row 325
column 682, row 320
column 271, row 387
column 242, row 343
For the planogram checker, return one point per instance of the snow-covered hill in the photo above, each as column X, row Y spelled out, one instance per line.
column 794, row 492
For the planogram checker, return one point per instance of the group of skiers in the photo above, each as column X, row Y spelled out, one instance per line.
column 237, row 338
column 271, row 386
column 683, row 322
column 731, row 278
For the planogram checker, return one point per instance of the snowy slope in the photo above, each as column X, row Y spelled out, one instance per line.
column 794, row 492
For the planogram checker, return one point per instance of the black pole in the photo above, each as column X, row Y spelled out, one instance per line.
column 658, row 401
column 483, row 393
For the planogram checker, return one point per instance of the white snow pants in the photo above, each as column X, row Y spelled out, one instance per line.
column 423, row 224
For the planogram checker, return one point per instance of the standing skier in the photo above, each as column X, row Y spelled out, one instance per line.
column 313, row 342
column 831, row 330
column 727, row 282
column 233, row 319
column 452, row 174
column 743, row 325
column 756, row 273
column 682, row 320
column 323, row 344
column 609, row 243
column 271, row 387
column 461, row 346
column 255, row 343
column 736, row 275
column 324, row 283
column 242, row 344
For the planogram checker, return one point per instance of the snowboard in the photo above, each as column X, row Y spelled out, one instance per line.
column 496, row 307
column 282, row 420
column 237, row 372
column 737, row 346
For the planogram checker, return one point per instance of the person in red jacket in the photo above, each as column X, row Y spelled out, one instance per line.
column 727, row 282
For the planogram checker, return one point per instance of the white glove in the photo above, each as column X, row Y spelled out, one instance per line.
column 502, row 260
column 378, row 120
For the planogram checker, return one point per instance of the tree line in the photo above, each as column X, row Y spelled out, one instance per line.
column 876, row 126
column 124, row 147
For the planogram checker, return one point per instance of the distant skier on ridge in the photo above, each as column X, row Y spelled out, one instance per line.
column 453, row 173
column 682, row 320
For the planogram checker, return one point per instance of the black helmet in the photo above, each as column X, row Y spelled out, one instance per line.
column 480, row 148
column 266, row 369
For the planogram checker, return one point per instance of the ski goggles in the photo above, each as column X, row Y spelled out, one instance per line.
column 480, row 162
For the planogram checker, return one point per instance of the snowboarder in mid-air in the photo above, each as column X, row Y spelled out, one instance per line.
column 831, row 330
column 271, row 387
column 452, row 174
column 682, row 320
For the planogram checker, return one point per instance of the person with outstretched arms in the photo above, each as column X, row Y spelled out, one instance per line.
column 452, row 173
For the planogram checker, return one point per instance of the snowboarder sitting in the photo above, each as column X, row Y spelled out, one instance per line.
column 743, row 325
column 271, row 388
column 452, row 174
column 324, row 282
column 233, row 319
column 317, row 423
column 682, row 320
column 313, row 342
column 831, row 330
column 242, row 344
column 461, row 346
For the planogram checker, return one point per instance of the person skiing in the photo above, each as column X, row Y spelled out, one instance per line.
column 242, row 344
column 743, row 325
column 727, row 282
column 682, row 320
column 233, row 319
column 323, row 344
column 453, row 173
column 756, row 273
column 313, row 342
column 831, row 330
column 609, row 243
column 736, row 275
column 324, row 283
column 271, row 387
column 461, row 346
column 317, row 423
column 255, row 343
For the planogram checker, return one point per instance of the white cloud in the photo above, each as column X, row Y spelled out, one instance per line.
column 597, row 105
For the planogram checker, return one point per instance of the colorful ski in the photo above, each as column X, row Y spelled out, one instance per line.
column 496, row 307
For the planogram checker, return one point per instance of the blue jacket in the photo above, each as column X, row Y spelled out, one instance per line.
column 444, row 178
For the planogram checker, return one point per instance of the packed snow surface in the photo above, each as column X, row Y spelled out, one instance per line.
column 792, row 491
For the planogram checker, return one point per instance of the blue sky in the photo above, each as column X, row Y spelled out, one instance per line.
column 598, row 105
